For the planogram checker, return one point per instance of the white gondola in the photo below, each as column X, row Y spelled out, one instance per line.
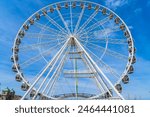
column 119, row 88
column 82, row 5
column 66, row 5
column 107, row 94
column 37, row 16
column 43, row 97
column 26, row 27
column 16, row 58
column 31, row 21
column 15, row 49
column 117, row 20
column 51, row 9
column 24, row 86
column 74, row 5
column 133, row 60
column 122, row 26
column 104, row 11
column 126, row 34
column 18, row 41
column 89, row 6
column 111, row 15
column 58, row 6
column 97, row 8
column 129, row 42
column 44, row 12
column 21, row 34
column 131, row 70
column 130, row 50
column 18, row 78
column 33, row 92
column 125, row 79
column 14, row 67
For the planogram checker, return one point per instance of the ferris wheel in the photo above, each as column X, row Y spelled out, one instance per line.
column 73, row 50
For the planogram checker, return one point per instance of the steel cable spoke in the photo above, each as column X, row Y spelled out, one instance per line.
column 104, row 40
column 63, row 21
column 111, row 52
column 86, row 22
column 38, row 45
column 103, row 31
column 79, row 20
column 95, row 25
column 56, row 24
column 71, row 17
column 42, row 36
column 39, row 57
column 107, row 67
column 48, row 28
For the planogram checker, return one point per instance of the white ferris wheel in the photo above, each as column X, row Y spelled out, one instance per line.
column 73, row 50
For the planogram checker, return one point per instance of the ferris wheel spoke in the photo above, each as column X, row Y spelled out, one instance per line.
column 79, row 20
column 86, row 37
column 60, row 15
column 40, row 56
column 38, row 45
column 95, row 25
column 87, row 22
column 71, row 16
column 110, row 52
column 55, row 23
column 103, row 64
column 114, row 41
column 102, row 32
column 42, row 36
column 110, row 69
column 110, row 30
column 47, row 28
column 104, row 40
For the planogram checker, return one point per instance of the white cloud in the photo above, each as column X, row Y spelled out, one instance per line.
column 114, row 4
column 138, row 10
column 130, row 27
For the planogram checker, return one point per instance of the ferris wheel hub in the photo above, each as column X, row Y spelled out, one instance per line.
column 72, row 40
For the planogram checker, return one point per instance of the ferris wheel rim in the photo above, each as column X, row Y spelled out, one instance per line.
column 130, row 54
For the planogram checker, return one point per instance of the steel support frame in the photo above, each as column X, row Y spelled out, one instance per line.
column 99, row 70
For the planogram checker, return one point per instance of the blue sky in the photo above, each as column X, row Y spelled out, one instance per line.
column 134, row 12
